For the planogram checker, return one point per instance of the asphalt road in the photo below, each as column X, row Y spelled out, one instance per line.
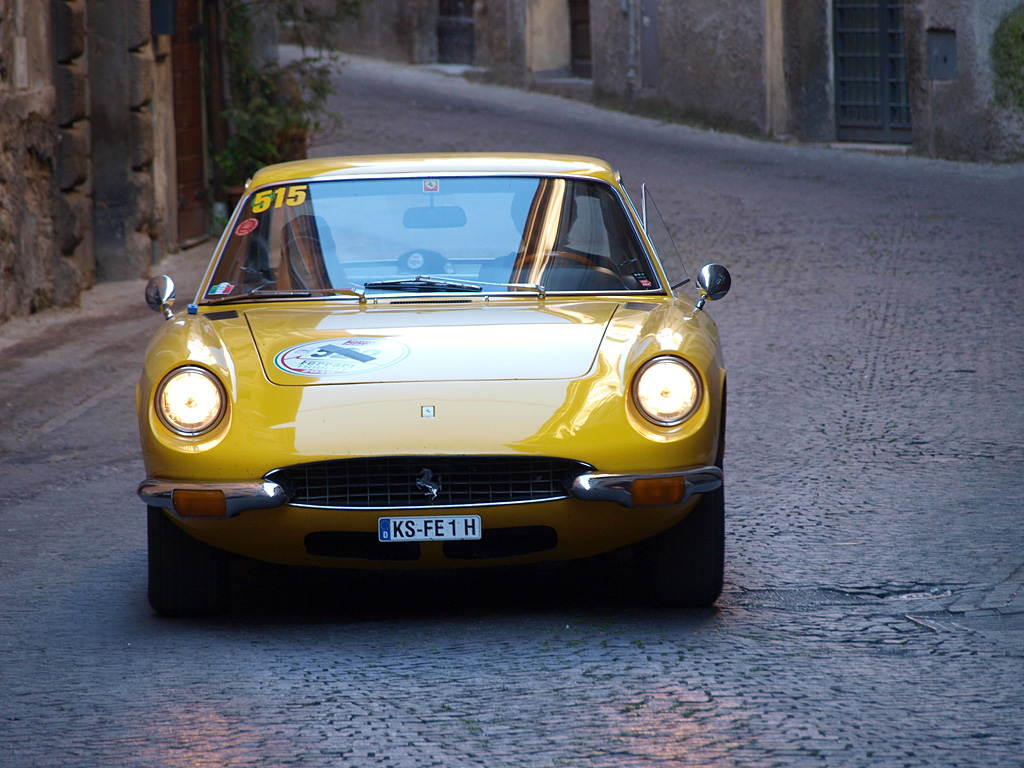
column 873, row 612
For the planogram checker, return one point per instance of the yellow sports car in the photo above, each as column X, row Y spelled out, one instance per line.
column 435, row 361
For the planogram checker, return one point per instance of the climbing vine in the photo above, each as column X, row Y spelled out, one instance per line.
column 1008, row 60
column 271, row 106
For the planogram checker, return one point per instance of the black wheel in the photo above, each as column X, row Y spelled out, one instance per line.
column 682, row 567
column 186, row 576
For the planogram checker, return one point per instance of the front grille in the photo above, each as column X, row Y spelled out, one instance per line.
column 401, row 482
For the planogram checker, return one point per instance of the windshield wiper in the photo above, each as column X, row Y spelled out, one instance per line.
column 359, row 293
column 422, row 283
column 540, row 289
column 257, row 294
column 302, row 293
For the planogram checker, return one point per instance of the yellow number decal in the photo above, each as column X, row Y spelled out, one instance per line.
column 262, row 201
column 296, row 195
column 290, row 196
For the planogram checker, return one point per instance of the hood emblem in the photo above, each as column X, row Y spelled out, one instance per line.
column 426, row 483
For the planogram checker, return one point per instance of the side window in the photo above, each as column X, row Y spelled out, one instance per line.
column 273, row 246
column 597, row 225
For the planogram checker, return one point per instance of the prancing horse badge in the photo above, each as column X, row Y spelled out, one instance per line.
column 426, row 483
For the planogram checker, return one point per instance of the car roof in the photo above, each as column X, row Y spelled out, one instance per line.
column 436, row 164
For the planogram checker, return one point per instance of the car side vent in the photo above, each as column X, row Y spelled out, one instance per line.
column 429, row 301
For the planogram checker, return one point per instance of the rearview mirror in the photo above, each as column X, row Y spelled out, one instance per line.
column 434, row 217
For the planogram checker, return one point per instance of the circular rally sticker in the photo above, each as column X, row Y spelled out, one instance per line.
column 341, row 357
column 246, row 227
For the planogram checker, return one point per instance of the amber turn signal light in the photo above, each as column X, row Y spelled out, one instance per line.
column 200, row 503
column 658, row 491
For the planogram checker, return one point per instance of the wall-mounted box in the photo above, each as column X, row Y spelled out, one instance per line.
column 942, row 54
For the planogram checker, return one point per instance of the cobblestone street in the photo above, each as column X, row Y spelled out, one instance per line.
column 873, row 612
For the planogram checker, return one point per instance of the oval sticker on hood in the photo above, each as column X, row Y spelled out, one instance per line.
column 341, row 357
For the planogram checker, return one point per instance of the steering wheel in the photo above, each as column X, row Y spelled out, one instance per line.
column 590, row 264
column 576, row 258
column 421, row 261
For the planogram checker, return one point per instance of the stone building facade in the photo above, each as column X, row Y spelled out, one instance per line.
column 86, row 162
column 911, row 72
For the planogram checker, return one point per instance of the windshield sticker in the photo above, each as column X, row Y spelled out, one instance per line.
column 341, row 357
column 290, row 196
column 431, row 185
column 220, row 289
column 246, row 227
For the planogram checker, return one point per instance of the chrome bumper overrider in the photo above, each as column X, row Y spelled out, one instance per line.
column 619, row 488
column 239, row 497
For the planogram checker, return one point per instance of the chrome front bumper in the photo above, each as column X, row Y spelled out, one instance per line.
column 263, row 494
column 238, row 497
column 619, row 488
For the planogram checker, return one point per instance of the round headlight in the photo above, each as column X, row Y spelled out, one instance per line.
column 667, row 391
column 190, row 401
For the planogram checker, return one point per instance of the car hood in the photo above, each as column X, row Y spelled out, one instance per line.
column 472, row 342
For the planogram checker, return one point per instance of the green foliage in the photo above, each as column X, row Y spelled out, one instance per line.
column 313, row 24
column 273, row 107
column 1008, row 60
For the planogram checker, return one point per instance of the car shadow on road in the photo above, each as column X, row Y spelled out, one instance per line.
column 605, row 586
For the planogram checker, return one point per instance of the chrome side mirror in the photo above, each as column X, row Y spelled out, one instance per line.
column 160, row 295
column 713, row 282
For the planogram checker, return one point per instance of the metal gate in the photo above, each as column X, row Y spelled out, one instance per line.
column 872, row 101
column 455, row 32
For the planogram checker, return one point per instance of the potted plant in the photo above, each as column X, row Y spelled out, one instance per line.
column 271, row 108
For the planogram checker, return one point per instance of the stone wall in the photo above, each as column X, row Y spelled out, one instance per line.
column 121, row 79
column 32, row 275
column 614, row 79
column 78, row 110
column 713, row 62
column 958, row 118
column 548, row 38
column 396, row 30
column 756, row 66
column 765, row 66
column 73, row 168
column 500, row 30
column 806, row 52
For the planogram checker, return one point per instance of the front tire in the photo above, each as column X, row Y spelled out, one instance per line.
column 683, row 566
column 186, row 576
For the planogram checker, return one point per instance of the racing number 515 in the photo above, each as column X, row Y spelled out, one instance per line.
column 290, row 196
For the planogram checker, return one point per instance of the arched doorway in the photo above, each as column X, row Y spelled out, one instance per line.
column 579, row 38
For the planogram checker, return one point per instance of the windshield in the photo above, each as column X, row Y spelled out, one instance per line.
column 490, row 234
